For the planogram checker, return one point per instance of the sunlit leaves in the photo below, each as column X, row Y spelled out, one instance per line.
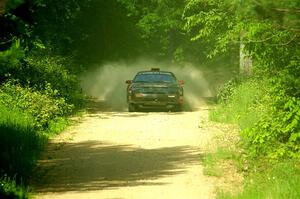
column 211, row 21
column 269, row 31
column 224, row 22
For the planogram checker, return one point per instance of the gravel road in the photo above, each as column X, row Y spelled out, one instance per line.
column 120, row 155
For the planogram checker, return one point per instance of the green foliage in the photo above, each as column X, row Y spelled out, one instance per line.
column 227, row 90
column 241, row 102
column 264, row 27
column 160, row 26
column 10, row 59
column 267, row 106
column 38, row 87
column 42, row 70
column 270, row 121
column 214, row 22
column 155, row 32
column 211, row 162
column 11, row 4
column 27, row 119
column 88, row 31
column 277, row 136
column 10, row 189
column 42, row 106
column 20, row 142
column 52, row 74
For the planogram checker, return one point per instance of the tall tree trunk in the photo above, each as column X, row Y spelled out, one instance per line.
column 245, row 60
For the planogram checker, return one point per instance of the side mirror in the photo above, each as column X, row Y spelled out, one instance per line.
column 180, row 82
column 128, row 81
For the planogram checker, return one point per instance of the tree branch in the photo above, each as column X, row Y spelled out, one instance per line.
column 288, row 42
column 288, row 28
column 266, row 39
column 260, row 41
column 8, row 41
column 296, row 10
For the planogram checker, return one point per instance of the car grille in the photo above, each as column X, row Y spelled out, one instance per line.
column 156, row 97
column 156, row 90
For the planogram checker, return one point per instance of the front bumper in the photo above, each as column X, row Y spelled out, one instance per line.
column 156, row 100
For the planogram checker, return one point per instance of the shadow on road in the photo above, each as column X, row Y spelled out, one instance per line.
column 93, row 165
column 109, row 115
column 95, row 106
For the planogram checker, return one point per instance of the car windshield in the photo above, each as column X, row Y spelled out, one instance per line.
column 155, row 77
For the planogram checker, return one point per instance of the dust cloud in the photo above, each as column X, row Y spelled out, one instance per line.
column 107, row 82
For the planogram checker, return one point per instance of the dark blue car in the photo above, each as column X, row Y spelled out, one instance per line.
column 154, row 89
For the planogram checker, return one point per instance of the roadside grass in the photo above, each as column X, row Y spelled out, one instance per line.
column 56, row 126
column 225, row 162
column 263, row 177
column 21, row 144
column 276, row 181
column 239, row 109
column 212, row 162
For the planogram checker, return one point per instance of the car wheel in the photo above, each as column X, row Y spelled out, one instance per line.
column 131, row 108
column 178, row 108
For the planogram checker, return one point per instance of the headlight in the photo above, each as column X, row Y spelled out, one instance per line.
column 139, row 95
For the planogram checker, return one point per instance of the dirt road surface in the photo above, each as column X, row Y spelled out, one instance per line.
column 121, row 155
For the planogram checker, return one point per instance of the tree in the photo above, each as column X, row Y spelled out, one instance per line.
column 160, row 26
column 269, row 32
column 267, row 28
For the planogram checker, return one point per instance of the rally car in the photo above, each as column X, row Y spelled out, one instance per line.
column 154, row 89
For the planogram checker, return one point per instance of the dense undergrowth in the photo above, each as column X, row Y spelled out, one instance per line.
column 269, row 120
column 268, row 115
column 264, row 101
column 37, row 94
column 28, row 118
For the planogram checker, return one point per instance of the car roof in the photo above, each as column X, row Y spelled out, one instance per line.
column 155, row 72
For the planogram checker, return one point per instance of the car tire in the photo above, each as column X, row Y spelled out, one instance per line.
column 178, row 108
column 131, row 108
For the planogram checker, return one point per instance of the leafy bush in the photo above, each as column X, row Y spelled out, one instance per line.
column 10, row 190
column 269, row 118
column 51, row 69
column 268, row 113
column 10, row 60
column 43, row 106
column 38, row 69
column 278, row 134
column 27, row 119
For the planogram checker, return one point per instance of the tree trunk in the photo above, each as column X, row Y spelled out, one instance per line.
column 245, row 60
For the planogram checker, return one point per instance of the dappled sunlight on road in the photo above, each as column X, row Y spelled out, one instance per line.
column 117, row 154
column 94, row 165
